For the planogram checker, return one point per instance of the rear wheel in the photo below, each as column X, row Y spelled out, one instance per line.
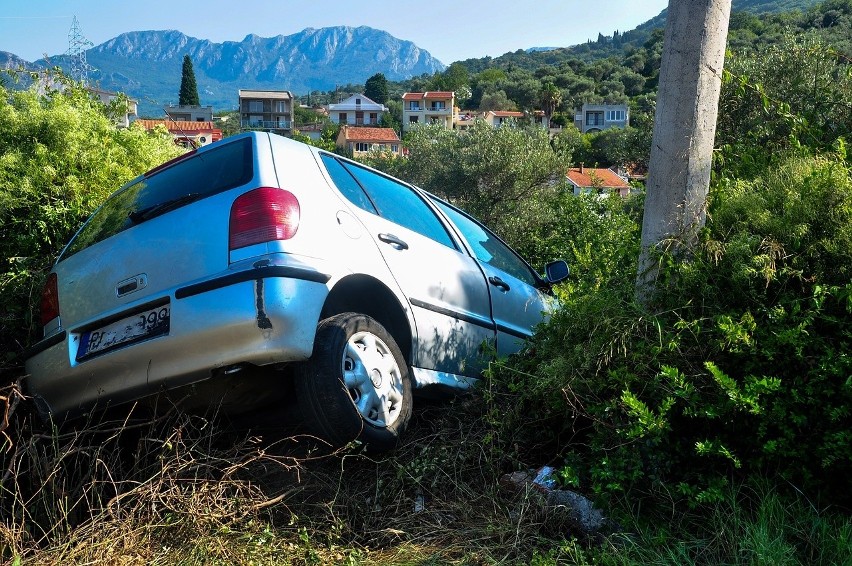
column 356, row 384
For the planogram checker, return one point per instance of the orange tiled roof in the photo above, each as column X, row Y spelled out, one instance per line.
column 508, row 114
column 593, row 177
column 439, row 94
column 177, row 125
column 428, row 95
column 366, row 134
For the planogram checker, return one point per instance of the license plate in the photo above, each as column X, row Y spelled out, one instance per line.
column 145, row 324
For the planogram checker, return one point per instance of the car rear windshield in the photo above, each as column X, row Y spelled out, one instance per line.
column 204, row 174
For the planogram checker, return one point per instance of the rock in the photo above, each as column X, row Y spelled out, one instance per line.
column 581, row 511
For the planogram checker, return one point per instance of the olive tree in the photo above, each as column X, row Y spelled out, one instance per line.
column 501, row 175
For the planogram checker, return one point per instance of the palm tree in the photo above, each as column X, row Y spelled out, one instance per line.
column 550, row 97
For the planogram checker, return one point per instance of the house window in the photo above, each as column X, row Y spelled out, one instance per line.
column 255, row 120
column 413, row 119
column 357, row 101
column 439, row 105
column 594, row 118
column 255, row 106
column 414, row 105
column 374, row 118
column 615, row 115
column 359, row 118
column 281, row 106
column 395, row 148
column 361, row 146
column 342, row 117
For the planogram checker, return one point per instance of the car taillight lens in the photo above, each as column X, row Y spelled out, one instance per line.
column 49, row 300
column 263, row 215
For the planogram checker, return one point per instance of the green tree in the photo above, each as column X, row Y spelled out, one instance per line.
column 393, row 117
column 61, row 155
column 496, row 100
column 376, row 88
column 501, row 175
column 550, row 97
column 456, row 79
column 188, row 87
column 784, row 95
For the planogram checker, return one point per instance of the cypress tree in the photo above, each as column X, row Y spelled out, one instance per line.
column 376, row 88
column 188, row 87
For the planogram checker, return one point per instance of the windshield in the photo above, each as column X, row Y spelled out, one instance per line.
column 204, row 174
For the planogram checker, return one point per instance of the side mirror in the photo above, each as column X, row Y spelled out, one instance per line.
column 556, row 271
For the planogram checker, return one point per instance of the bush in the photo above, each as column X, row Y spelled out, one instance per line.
column 61, row 155
column 740, row 366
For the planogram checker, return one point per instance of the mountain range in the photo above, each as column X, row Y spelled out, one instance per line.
column 147, row 64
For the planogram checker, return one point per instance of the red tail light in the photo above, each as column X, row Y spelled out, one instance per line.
column 263, row 215
column 49, row 300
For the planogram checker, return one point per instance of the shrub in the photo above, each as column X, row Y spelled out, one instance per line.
column 740, row 366
column 61, row 155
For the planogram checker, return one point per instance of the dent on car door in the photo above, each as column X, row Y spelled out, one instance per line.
column 447, row 290
column 516, row 302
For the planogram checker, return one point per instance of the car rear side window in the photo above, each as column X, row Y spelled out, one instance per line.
column 347, row 184
column 401, row 205
column 159, row 191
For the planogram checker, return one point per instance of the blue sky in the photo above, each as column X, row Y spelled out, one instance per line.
column 448, row 29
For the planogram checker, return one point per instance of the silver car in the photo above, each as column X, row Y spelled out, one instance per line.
column 342, row 287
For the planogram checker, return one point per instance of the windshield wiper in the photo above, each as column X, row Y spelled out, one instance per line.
column 137, row 216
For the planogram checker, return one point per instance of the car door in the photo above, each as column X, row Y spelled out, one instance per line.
column 517, row 303
column 446, row 288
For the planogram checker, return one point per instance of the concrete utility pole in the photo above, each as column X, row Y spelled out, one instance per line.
column 684, row 127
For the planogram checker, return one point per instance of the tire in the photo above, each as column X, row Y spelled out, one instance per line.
column 356, row 384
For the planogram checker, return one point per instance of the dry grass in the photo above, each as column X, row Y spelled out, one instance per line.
column 185, row 489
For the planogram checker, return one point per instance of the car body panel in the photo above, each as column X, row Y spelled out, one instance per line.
column 449, row 298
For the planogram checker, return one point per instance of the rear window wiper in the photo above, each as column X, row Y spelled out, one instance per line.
column 137, row 216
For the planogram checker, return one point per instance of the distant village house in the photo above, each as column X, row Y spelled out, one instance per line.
column 357, row 110
column 267, row 110
column 597, row 117
column 363, row 140
column 187, row 134
column 590, row 180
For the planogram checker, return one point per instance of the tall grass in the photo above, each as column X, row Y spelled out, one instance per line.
column 184, row 489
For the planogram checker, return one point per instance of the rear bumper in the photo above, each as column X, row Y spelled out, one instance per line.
column 260, row 317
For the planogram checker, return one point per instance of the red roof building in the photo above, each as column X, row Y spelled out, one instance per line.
column 361, row 140
column 433, row 107
column 592, row 180
column 187, row 134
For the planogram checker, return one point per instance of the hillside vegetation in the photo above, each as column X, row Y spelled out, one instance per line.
column 710, row 425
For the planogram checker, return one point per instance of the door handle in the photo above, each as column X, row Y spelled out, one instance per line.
column 497, row 282
column 394, row 241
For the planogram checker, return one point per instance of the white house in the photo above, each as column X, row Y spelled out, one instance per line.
column 357, row 110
